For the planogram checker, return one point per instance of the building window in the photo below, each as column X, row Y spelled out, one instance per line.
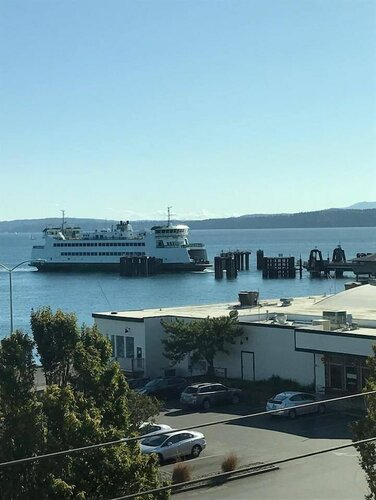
column 336, row 376
column 129, row 347
column 119, row 346
column 113, row 345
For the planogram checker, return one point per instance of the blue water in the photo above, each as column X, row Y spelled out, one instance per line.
column 96, row 292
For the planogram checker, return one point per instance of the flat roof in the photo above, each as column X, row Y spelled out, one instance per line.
column 360, row 302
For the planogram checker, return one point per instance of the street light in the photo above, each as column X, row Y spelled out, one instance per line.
column 9, row 271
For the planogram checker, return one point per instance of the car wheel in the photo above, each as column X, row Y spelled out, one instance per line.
column 160, row 458
column 196, row 450
column 206, row 404
column 321, row 409
column 292, row 414
column 235, row 399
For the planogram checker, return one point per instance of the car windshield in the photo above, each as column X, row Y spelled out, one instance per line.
column 155, row 440
column 154, row 383
column 279, row 398
column 148, row 427
column 191, row 390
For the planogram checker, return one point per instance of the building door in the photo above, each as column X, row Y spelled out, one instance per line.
column 351, row 379
column 248, row 365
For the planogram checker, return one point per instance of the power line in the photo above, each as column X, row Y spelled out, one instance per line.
column 206, row 424
column 246, row 469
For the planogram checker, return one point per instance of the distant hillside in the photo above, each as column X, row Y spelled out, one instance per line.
column 363, row 205
column 323, row 218
column 334, row 217
column 37, row 225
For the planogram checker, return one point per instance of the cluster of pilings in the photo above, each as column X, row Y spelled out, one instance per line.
column 279, row 267
column 139, row 266
column 231, row 262
column 317, row 266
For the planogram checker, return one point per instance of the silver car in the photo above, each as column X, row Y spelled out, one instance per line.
column 286, row 401
column 150, row 428
column 174, row 445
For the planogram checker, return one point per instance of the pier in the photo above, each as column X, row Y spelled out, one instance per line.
column 231, row 262
column 318, row 267
column 139, row 266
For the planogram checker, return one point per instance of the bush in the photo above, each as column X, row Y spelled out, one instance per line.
column 181, row 473
column 230, row 462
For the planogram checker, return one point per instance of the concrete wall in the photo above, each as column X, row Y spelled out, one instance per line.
column 156, row 362
column 124, row 327
column 262, row 351
column 273, row 354
column 335, row 342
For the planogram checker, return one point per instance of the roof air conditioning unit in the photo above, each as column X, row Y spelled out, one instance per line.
column 281, row 318
column 324, row 324
column 337, row 318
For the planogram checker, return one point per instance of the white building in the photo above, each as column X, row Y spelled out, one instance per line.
column 320, row 340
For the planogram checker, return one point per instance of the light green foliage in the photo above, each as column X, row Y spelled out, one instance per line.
column 366, row 428
column 199, row 338
column 87, row 401
column 56, row 336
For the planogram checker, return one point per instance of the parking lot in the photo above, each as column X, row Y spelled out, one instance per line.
column 264, row 438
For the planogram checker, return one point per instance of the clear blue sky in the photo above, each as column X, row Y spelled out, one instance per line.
column 116, row 109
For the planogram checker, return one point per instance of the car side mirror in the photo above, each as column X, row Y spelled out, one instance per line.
column 169, row 443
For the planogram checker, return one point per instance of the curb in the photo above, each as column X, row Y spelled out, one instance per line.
column 212, row 482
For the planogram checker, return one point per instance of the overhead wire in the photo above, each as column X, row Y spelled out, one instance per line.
column 196, row 426
column 192, row 482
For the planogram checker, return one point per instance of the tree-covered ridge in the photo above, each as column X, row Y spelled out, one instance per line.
column 87, row 401
column 335, row 217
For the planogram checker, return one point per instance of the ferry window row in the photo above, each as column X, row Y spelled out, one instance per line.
column 169, row 231
column 138, row 244
column 94, row 254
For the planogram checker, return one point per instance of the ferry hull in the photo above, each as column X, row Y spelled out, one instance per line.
column 114, row 267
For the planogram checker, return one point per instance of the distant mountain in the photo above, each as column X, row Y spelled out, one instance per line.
column 363, row 205
column 334, row 217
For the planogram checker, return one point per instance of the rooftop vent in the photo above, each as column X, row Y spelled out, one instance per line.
column 248, row 299
column 281, row 318
column 286, row 301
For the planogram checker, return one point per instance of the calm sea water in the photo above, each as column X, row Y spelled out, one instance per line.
column 96, row 292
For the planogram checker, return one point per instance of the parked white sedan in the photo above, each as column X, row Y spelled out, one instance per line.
column 174, row 445
column 150, row 428
column 286, row 401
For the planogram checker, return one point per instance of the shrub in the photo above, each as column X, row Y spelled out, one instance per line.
column 230, row 462
column 181, row 473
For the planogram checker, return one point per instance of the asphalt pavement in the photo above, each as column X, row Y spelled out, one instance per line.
column 264, row 439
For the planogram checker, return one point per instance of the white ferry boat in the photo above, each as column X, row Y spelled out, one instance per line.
column 68, row 248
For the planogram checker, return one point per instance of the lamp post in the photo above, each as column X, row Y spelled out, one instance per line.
column 9, row 271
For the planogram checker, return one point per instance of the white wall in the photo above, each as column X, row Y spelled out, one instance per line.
column 336, row 343
column 274, row 354
column 124, row 328
column 156, row 362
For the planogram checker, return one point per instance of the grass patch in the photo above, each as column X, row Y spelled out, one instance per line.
column 230, row 462
column 181, row 473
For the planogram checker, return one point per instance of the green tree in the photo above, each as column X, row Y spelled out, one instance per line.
column 87, row 401
column 199, row 338
column 56, row 336
column 366, row 428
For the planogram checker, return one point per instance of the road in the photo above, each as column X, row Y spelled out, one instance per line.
column 262, row 439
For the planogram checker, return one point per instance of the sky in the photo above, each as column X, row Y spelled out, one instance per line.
column 117, row 109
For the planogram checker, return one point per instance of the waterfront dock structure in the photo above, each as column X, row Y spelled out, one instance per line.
column 140, row 266
column 231, row 262
column 363, row 265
